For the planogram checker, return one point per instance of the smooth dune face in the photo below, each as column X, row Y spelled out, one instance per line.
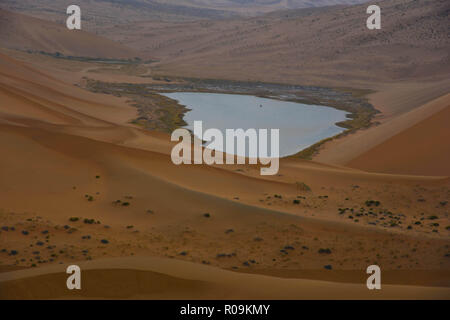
column 406, row 143
column 80, row 183
column 57, row 139
column 412, row 151
column 155, row 278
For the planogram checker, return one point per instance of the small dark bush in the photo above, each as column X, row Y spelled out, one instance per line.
column 370, row 203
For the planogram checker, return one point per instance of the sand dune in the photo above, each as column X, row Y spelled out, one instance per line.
column 412, row 151
column 155, row 278
column 80, row 184
column 23, row 32
column 424, row 156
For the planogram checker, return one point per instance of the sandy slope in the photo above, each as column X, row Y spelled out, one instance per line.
column 413, row 151
column 425, row 156
column 63, row 147
column 23, row 32
column 156, row 278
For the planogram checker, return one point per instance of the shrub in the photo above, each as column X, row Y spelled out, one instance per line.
column 370, row 203
column 302, row 186
column 324, row 251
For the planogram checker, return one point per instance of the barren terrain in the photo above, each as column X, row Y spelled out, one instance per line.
column 81, row 182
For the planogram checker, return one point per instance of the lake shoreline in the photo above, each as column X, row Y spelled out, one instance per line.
column 157, row 112
column 299, row 125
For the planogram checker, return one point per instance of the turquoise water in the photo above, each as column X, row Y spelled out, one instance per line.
column 300, row 125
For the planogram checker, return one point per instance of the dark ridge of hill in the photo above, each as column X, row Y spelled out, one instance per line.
column 253, row 7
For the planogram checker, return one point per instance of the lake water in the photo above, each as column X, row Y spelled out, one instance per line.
column 300, row 125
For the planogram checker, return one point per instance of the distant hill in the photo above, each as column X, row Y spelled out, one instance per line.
column 106, row 12
column 18, row 31
column 110, row 12
column 305, row 45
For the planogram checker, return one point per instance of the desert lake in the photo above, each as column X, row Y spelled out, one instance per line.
column 300, row 125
